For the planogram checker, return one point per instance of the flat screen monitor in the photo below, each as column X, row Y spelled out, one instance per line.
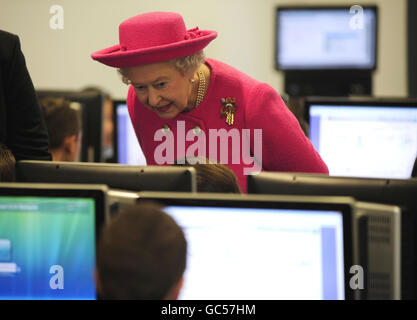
column 92, row 120
column 128, row 148
column 116, row 176
column 319, row 38
column 395, row 192
column 262, row 248
column 374, row 138
column 48, row 237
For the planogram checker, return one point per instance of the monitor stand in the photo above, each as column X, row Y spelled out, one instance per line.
column 328, row 83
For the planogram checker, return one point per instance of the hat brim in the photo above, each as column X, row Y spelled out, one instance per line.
column 117, row 58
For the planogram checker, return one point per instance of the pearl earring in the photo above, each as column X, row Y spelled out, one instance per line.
column 192, row 80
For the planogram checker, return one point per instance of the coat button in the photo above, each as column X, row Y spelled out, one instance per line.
column 165, row 128
column 196, row 130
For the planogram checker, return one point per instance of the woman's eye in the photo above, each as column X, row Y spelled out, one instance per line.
column 140, row 88
column 161, row 85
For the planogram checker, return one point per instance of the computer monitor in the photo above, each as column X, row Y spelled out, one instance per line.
column 263, row 247
column 48, row 235
column 116, row 176
column 325, row 38
column 394, row 192
column 92, row 116
column 126, row 142
column 364, row 137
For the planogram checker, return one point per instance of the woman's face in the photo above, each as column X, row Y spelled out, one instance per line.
column 161, row 88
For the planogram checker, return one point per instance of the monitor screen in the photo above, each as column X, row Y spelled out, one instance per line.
column 309, row 266
column 398, row 192
column 325, row 38
column 375, row 141
column 253, row 250
column 128, row 148
column 48, row 243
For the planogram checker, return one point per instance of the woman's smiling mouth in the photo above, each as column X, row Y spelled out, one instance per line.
column 164, row 108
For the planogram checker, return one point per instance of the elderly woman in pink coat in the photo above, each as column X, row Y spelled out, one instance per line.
column 183, row 105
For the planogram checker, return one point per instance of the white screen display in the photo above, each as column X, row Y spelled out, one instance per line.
column 373, row 142
column 325, row 39
column 129, row 150
column 245, row 253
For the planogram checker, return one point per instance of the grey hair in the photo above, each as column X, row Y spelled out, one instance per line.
column 186, row 65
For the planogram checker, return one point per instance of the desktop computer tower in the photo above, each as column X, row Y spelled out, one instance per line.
column 377, row 248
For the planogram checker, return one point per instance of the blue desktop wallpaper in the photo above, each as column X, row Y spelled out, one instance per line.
column 37, row 234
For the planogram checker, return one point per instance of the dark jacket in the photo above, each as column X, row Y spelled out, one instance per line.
column 22, row 127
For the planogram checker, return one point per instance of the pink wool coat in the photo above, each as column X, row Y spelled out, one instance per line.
column 282, row 146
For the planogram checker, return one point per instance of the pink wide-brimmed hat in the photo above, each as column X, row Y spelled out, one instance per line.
column 153, row 37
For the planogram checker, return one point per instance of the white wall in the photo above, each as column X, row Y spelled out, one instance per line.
column 61, row 58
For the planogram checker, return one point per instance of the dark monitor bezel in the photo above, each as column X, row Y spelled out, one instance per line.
column 344, row 205
column 116, row 176
column 310, row 184
column 357, row 102
column 330, row 8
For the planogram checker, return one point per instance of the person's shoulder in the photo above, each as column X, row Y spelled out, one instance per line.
column 227, row 75
column 7, row 38
column 8, row 43
column 224, row 69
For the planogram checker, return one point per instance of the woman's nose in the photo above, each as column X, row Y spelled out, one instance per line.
column 153, row 97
